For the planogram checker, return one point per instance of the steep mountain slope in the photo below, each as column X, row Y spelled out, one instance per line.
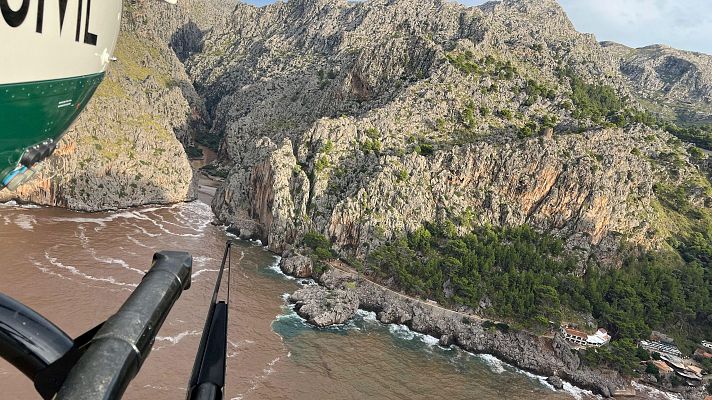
column 124, row 150
column 363, row 120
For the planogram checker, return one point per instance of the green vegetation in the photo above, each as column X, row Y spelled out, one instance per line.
column 424, row 149
column 210, row 140
column 371, row 145
column 528, row 130
column 214, row 170
column 700, row 136
column 534, row 91
column 597, row 102
column 468, row 115
column 530, row 280
column 621, row 355
column 320, row 246
column 467, row 64
column 402, row 176
column 321, row 164
column 506, row 114
column 194, row 152
column 373, row 141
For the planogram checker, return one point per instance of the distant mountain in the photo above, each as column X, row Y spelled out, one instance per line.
column 676, row 83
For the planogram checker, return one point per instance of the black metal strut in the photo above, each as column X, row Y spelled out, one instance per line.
column 207, row 382
column 99, row 364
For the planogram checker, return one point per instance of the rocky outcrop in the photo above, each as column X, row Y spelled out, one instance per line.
column 297, row 265
column 124, row 150
column 343, row 293
column 555, row 382
column 323, row 307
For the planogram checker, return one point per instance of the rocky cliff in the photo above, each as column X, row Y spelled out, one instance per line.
column 362, row 120
column 124, row 150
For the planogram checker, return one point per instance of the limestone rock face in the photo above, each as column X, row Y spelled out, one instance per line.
column 297, row 265
column 363, row 120
column 124, row 149
column 323, row 307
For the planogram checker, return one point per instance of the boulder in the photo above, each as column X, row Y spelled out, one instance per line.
column 298, row 266
column 323, row 307
column 556, row 382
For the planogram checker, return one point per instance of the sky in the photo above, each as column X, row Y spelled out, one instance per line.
column 684, row 24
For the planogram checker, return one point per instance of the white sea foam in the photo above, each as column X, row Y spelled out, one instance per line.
column 137, row 243
column 367, row 315
column 498, row 366
column 275, row 267
column 202, row 271
column 201, row 261
column 653, row 393
column 25, row 222
column 74, row 271
column 173, row 340
column 495, row 364
column 13, row 204
column 144, row 231
column 116, row 261
column 430, row 340
column 401, row 331
column 101, row 221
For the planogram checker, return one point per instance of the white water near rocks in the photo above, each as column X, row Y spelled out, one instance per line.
column 77, row 269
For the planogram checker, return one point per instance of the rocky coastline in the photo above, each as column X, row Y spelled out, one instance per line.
column 341, row 293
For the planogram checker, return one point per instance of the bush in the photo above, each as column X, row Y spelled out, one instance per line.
column 531, row 280
column 315, row 240
column 506, row 114
column 210, row 140
column 701, row 136
column 642, row 354
column 597, row 102
column 425, row 149
column 320, row 245
column 652, row 369
column 194, row 152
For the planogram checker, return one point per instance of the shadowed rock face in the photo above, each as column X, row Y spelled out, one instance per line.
column 363, row 120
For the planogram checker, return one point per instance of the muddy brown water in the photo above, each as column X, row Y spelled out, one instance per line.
column 77, row 269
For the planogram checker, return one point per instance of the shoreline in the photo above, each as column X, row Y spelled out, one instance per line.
column 543, row 357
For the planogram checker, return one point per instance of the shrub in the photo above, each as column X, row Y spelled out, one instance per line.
column 642, row 354
column 424, row 149
column 321, row 164
column 652, row 369
column 194, row 152
column 506, row 114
